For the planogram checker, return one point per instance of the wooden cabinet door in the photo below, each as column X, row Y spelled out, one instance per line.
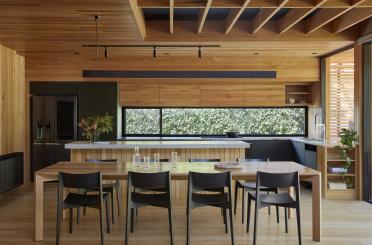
column 138, row 95
column 264, row 95
column 222, row 95
column 179, row 95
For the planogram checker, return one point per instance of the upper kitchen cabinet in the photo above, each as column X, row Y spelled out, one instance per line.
column 264, row 95
column 222, row 95
column 137, row 95
column 180, row 95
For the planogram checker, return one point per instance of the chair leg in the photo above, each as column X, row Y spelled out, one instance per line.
column 188, row 230
column 78, row 216
column 118, row 197
column 101, row 224
column 243, row 204
column 268, row 207
column 127, row 224
column 248, row 213
column 286, row 220
column 236, row 196
column 58, row 230
column 225, row 220
column 255, row 223
column 170, row 217
column 277, row 214
column 107, row 206
column 112, row 207
column 71, row 219
column 131, row 220
column 231, row 224
column 298, row 225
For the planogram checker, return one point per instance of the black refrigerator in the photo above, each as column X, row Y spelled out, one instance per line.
column 53, row 124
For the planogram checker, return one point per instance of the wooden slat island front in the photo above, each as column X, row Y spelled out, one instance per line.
column 179, row 171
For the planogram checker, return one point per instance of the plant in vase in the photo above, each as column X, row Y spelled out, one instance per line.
column 348, row 140
column 94, row 126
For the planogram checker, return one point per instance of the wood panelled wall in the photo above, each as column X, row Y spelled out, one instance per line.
column 68, row 67
column 203, row 94
column 12, row 101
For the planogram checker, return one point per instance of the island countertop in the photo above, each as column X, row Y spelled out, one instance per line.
column 157, row 144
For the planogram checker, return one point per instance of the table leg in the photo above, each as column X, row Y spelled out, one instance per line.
column 317, row 199
column 291, row 193
column 39, row 203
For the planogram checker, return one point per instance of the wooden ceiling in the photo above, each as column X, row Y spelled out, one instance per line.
column 271, row 27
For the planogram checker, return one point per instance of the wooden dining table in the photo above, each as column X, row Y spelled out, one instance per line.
column 178, row 171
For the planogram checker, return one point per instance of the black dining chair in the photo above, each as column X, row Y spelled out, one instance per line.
column 282, row 199
column 110, row 188
column 250, row 186
column 197, row 196
column 77, row 200
column 148, row 189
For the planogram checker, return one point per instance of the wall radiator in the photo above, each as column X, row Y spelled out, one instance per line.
column 11, row 171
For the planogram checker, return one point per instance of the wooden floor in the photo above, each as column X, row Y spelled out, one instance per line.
column 344, row 222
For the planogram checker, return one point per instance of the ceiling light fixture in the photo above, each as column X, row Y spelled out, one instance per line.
column 106, row 52
column 154, row 56
column 154, row 47
column 96, row 18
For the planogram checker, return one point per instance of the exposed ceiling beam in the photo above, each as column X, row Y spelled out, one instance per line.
column 138, row 17
column 234, row 15
column 351, row 18
column 203, row 16
column 171, row 16
column 324, row 16
column 265, row 15
column 296, row 15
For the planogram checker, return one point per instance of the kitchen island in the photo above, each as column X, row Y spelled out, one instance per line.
column 124, row 150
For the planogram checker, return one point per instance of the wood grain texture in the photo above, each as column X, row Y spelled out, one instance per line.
column 12, row 101
column 264, row 95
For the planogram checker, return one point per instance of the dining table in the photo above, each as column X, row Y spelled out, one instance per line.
column 178, row 171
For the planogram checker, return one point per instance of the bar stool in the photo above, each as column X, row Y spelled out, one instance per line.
column 148, row 189
column 198, row 183
column 77, row 200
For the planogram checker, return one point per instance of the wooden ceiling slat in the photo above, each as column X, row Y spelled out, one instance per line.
column 296, row 15
column 171, row 16
column 234, row 15
column 325, row 16
column 265, row 15
column 138, row 16
column 203, row 16
column 351, row 18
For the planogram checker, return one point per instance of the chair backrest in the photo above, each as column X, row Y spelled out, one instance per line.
column 209, row 180
column 277, row 180
column 203, row 160
column 251, row 160
column 159, row 180
column 88, row 181
column 100, row 160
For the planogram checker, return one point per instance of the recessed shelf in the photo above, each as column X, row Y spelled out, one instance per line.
column 341, row 175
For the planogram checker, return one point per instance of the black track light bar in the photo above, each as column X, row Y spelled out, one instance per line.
column 151, row 46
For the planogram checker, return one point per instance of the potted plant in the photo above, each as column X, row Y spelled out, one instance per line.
column 348, row 140
column 94, row 126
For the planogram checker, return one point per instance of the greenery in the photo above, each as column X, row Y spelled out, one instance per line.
column 94, row 126
column 348, row 140
column 216, row 121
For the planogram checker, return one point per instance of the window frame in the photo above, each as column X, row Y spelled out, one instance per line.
column 124, row 134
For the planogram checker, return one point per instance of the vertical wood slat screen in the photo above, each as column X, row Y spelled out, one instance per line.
column 341, row 97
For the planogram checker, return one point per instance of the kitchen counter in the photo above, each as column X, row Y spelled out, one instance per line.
column 245, row 139
column 159, row 144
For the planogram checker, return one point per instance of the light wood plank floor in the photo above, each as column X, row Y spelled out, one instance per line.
column 344, row 222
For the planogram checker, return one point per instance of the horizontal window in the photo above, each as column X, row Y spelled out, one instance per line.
column 291, row 121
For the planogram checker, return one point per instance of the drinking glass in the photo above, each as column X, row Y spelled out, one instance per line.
column 136, row 159
column 146, row 161
column 174, row 156
column 156, row 157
